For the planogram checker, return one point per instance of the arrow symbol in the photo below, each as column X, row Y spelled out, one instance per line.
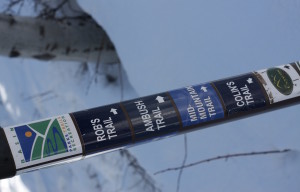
column 160, row 99
column 114, row 111
column 204, row 89
column 250, row 80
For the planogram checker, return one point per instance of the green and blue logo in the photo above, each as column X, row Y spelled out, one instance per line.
column 42, row 139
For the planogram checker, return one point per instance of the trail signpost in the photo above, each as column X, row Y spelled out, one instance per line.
column 75, row 136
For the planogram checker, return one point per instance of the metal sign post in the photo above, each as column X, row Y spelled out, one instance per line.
column 90, row 132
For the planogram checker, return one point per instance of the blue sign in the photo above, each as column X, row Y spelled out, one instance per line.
column 241, row 93
column 103, row 128
column 152, row 116
column 197, row 104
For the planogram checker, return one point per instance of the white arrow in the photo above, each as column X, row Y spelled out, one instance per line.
column 114, row 111
column 204, row 89
column 160, row 99
column 250, row 80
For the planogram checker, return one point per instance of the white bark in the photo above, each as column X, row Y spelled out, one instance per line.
column 73, row 39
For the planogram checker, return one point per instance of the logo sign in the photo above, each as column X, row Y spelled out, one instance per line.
column 280, row 80
column 36, row 143
column 42, row 141
column 241, row 93
column 152, row 116
column 280, row 83
column 103, row 128
column 197, row 104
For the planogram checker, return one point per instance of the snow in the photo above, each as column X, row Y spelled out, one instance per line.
column 165, row 45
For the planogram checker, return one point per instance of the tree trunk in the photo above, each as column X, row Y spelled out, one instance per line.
column 72, row 39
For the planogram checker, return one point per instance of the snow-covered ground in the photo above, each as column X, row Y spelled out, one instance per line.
column 165, row 45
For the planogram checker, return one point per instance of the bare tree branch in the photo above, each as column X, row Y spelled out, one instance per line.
column 146, row 179
column 223, row 157
column 49, row 12
column 45, row 9
column 183, row 163
column 12, row 4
